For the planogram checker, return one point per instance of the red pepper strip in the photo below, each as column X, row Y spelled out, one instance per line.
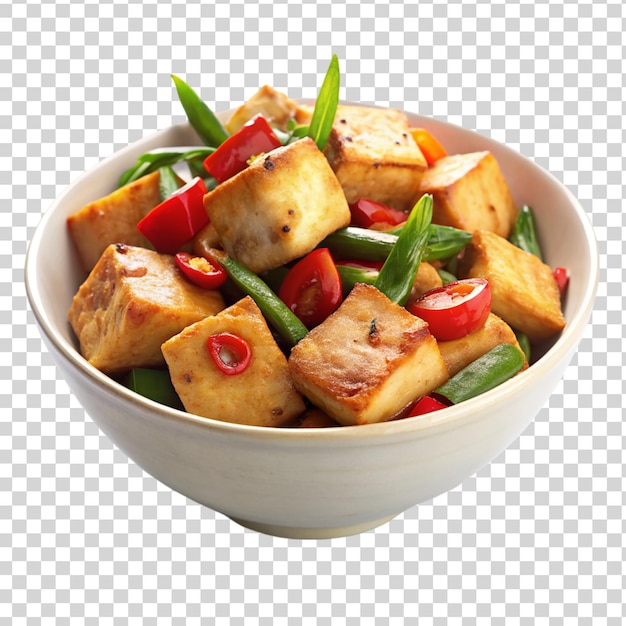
column 252, row 139
column 230, row 353
column 561, row 276
column 426, row 404
column 430, row 147
column 456, row 309
column 366, row 213
column 312, row 289
column 177, row 219
column 200, row 271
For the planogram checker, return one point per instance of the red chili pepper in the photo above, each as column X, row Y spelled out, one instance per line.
column 430, row 147
column 561, row 276
column 230, row 353
column 177, row 219
column 312, row 288
column 456, row 309
column 200, row 271
column 426, row 404
column 366, row 213
column 252, row 139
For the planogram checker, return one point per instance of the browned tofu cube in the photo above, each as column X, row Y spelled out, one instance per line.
column 459, row 353
column 375, row 156
column 133, row 300
column 261, row 395
column 469, row 192
column 279, row 208
column 368, row 360
column 315, row 418
column 113, row 219
column 427, row 278
column 523, row 290
column 274, row 106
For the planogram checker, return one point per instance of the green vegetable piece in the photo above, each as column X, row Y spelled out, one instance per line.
column 445, row 241
column 446, row 277
column 168, row 182
column 397, row 275
column 154, row 384
column 326, row 105
column 483, row 374
column 350, row 276
column 202, row 119
column 524, row 233
column 277, row 313
column 524, row 343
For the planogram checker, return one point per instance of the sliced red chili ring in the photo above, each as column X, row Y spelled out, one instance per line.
column 426, row 404
column 561, row 276
column 365, row 213
column 456, row 309
column 201, row 271
column 230, row 353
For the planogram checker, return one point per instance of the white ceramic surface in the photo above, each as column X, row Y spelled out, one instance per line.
column 321, row 482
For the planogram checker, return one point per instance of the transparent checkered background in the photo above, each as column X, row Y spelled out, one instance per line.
column 88, row 538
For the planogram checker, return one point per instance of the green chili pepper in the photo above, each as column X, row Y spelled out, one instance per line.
column 152, row 161
column 273, row 308
column 364, row 243
column 168, row 182
column 154, row 384
column 483, row 374
column 397, row 275
column 202, row 119
column 325, row 105
column 524, row 233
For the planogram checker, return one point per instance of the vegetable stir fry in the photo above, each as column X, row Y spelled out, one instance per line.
column 311, row 266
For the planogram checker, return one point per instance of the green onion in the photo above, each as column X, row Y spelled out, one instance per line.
column 326, row 105
column 168, row 182
column 524, row 233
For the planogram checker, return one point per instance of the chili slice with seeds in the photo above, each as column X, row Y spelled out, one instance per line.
column 230, row 353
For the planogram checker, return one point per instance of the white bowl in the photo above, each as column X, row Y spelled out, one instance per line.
column 315, row 483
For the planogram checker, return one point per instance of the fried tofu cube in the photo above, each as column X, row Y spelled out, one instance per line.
column 427, row 278
column 133, row 300
column 261, row 395
column 368, row 360
column 459, row 353
column 523, row 290
column 278, row 208
column 469, row 192
column 375, row 156
column 273, row 105
column 113, row 219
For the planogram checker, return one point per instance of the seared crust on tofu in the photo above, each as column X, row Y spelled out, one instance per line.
column 459, row 353
column 132, row 301
column 368, row 360
column 469, row 192
column 274, row 106
column 427, row 278
column 375, row 156
column 279, row 208
column 261, row 395
column 523, row 290
column 113, row 219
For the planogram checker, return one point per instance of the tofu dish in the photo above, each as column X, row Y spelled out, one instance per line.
column 311, row 266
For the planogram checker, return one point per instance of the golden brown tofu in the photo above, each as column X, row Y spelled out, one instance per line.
column 279, row 208
column 523, row 290
column 276, row 108
column 368, row 360
column 132, row 301
column 315, row 418
column 375, row 156
column 113, row 219
column 427, row 278
column 459, row 353
column 469, row 192
column 261, row 395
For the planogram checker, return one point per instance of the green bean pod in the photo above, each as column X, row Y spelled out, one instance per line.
column 524, row 233
column 483, row 374
column 154, row 384
column 168, row 182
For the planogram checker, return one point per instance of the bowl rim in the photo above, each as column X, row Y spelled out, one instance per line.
column 471, row 409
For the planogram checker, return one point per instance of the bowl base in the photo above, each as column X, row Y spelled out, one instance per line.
column 297, row 532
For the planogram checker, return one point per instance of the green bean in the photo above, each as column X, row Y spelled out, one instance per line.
column 168, row 182
column 524, row 233
column 154, row 384
column 350, row 276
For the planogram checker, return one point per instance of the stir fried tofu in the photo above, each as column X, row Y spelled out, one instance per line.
column 375, row 156
column 274, row 105
column 133, row 300
column 523, row 290
column 368, row 360
column 261, row 395
column 459, row 353
column 113, row 219
column 279, row 208
column 469, row 192
column 427, row 278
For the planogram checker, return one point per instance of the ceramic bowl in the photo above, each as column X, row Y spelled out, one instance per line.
column 314, row 483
